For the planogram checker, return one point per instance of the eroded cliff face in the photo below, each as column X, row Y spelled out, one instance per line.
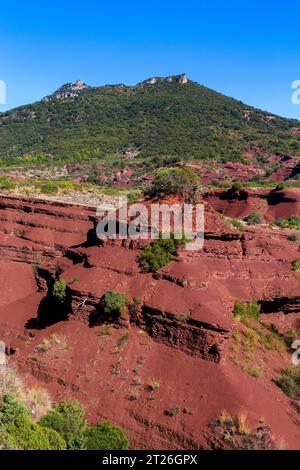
column 178, row 335
column 271, row 205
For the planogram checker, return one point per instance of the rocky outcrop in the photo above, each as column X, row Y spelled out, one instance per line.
column 182, row 79
column 69, row 90
column 35, row 230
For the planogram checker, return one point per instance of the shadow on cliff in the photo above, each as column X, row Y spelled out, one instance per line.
column 91, row 237
column 51, row 311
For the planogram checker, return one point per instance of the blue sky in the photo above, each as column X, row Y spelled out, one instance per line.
column 245, row 49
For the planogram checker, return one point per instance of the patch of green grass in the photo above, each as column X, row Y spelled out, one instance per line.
column 246, row 309
column 49, row 187
column 237, row 224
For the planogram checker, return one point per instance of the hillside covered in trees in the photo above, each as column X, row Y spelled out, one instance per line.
column 156, row 122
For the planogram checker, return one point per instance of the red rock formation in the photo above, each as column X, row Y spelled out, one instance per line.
column 178, row 335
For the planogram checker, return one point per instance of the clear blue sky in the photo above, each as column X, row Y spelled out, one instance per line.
column 246, row 49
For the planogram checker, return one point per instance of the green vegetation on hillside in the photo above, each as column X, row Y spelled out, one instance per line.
column 254, row 219
column 246, row 309
column 165, row 122
column 58, row 428
column 292, row 222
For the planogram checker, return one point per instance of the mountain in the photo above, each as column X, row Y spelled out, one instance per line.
column 157, row 121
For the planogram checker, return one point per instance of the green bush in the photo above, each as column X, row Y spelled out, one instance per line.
column 114, row 303
column 106, row 437
column 296, row 265
column 293, row 237
column 18, row 431
column 49, row 188
column 237, row 224
column 254, row 219
column 289, row 382
column 6, row 183
column 246, row 309
column 67, row 418
column 60, row 291
column 28, row 435
column 175, row 181
column 11, row 409
column 7, row 442
column 292, row 222
column 158, row 254
column 280, row 187
column 236, row 186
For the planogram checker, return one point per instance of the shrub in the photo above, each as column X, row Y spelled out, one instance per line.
column 67, row 418
column 292, row 222
column 289, row 382
column 154, row 257
column 237, row 224
column 114, row 303
column 158, row 254
column 60, row 291
column 11, row 410
column 280, row 187
column 20, row 432
column 7, row 184
column 293, row 238
column 57, row 442
column 154, row 385
column 106, row 437
column 175, row 181
column 236, row 186
column 233, row 432
column 296, row 265
column 254, row 219
column 7, row 442
column 49, row 188
column 247, row 309
column 31, row 436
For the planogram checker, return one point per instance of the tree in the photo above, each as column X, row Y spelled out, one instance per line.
column 67, row 418
column 18, row 431
column 106, row 437
column 182, row 182
column 28, row 435
column 114, row 304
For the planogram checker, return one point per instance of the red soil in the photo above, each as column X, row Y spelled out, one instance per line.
column 271, row 204
column 179, row 336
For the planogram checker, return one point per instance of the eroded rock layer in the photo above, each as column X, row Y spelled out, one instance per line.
column 178, row 336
